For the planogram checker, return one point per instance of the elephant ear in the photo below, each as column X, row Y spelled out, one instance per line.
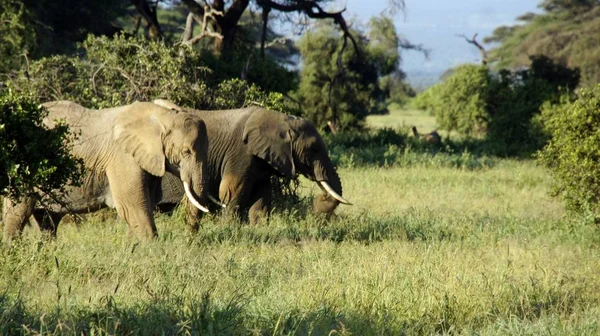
column 268, row 136
column 139, row 132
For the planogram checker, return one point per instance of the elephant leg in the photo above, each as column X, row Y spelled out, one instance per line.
column 260, row 201
column 15, row 215
column 234, row 194
column 131, row 195
column 47, row 221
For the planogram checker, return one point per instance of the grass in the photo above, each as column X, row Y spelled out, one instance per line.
column 403, row 118
column 426, row 249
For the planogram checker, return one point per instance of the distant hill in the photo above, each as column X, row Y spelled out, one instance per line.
column 567, row 31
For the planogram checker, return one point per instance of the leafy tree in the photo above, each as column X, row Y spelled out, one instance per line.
column 568, row 32
column 501, row 108
column 16, row 35
column 33, row 157
column 31, row 29
column 459, row 103
column 573, row 153
column 340, row 86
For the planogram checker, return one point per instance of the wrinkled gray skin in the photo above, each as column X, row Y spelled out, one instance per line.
column 125, row 150
column 246, row 147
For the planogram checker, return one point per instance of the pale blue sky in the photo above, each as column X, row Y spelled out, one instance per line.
column 435, row 24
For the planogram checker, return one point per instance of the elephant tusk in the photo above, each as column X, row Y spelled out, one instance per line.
column 333, row 194
column 188, row 193
column 216, row 201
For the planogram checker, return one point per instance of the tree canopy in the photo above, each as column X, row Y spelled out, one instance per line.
column 339, row 86
column 568, row 31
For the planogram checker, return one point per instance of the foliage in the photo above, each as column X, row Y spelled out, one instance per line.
column 572, row 155
column 120, row 70
column 515, row 99
column 16, row 34
column 33, row 157
column 346, row 92
column 502, row 108
column 459, row 102
column 567, row 31
column 423, row 251
column 40, row 28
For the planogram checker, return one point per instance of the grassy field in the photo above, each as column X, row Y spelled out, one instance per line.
column 403, row 118
column 424, row 250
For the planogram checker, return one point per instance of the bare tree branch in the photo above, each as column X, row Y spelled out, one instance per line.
column 314, row 11
column 265, row 19
column 209, row 13
column 473, row 41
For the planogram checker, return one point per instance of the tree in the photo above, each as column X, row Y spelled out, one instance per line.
column 568, row 32
column 573, row 153
column 31, row 29
column 340, row 86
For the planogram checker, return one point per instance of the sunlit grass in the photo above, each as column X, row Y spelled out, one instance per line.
column 435, row 243
column 404, row 119
column 423, row 250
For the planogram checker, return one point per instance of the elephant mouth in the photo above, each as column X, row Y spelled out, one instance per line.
column 325, row 186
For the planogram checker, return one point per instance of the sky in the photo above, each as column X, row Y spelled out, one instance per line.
column 435, row 24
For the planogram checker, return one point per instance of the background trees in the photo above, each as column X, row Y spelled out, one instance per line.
column 568, row 32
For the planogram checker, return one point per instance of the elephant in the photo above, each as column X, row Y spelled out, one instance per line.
column 125, row 152
column 249, row 145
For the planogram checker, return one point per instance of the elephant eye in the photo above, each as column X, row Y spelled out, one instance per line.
column 186, row 152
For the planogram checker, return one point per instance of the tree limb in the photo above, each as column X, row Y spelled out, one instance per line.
column 473, row 41
column 314, row 11
column 209, row 13
column 149, row 15
column 263, row 39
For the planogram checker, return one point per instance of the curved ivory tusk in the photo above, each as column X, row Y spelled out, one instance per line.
column 189, row 195
column 216, row 201
column 333, row 194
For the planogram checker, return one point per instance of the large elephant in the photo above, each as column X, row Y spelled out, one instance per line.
column 125, row 152
column 246, row 147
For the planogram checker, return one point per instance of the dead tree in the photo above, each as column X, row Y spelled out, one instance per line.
column 473, row 41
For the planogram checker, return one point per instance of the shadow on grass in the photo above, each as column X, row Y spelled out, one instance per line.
column 204, row 316
column 366, row 229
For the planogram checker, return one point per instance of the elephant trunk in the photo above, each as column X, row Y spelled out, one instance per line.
column 329, row 181
column 196, row 192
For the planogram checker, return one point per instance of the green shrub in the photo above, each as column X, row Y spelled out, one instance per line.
column 501, row 108
column 120, row 70
column 459, row 102
column 573, row 153
column 33, row 157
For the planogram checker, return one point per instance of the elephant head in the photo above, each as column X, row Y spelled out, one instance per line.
column 292, row 145
column 160, row 139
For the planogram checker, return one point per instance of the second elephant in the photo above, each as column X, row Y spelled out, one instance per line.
column 246, row 147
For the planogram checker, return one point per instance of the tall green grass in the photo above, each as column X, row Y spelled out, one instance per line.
column 440, row 240
column 424, row 250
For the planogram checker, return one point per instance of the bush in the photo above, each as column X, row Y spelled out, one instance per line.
column 459, row 102
column 33, row 157
column 120, row 70
column 573, row 153
column 501, row 108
